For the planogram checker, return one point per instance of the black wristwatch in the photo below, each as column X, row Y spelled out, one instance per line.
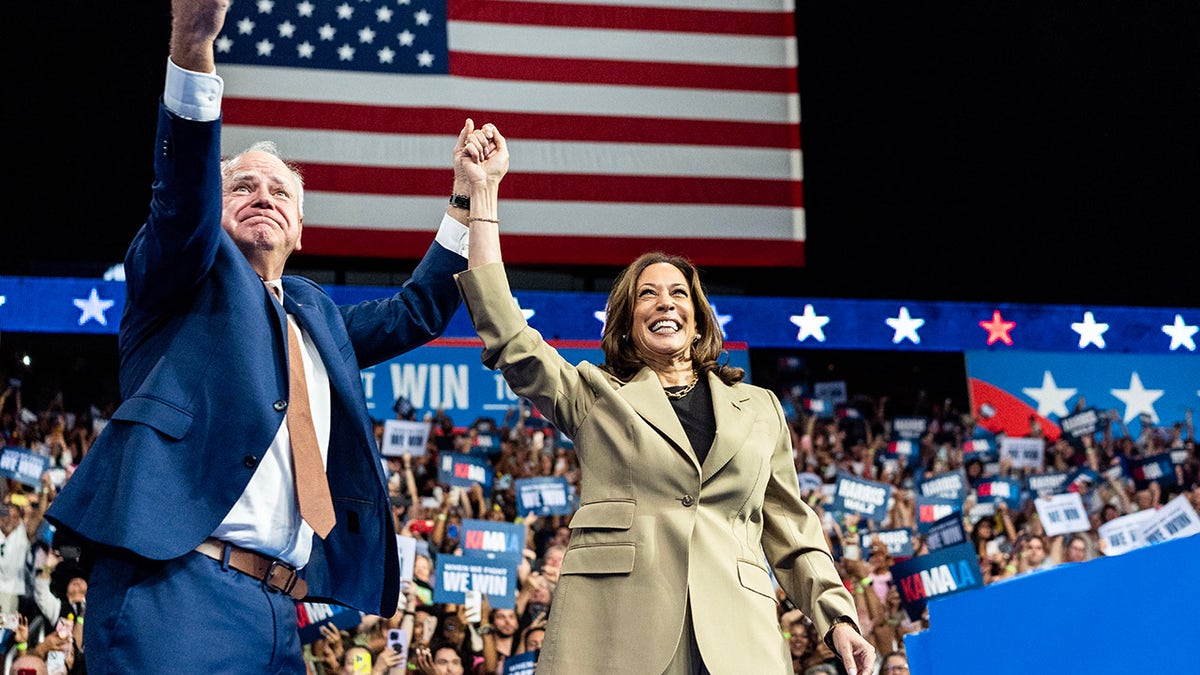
column 460, row 201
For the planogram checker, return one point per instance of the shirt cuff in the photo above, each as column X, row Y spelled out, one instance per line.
column 453, row 236
column 191, row 95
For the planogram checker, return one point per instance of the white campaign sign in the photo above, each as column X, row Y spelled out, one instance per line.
column 1124, row 534
column 1175, row 520
column 1062, row 514
column 401, row 436
column 1023, row 452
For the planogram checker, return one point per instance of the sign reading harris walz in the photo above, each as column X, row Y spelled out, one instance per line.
column 448, row 374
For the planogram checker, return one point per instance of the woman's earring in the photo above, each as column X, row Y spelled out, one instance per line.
column 696, row 338
column 624, row 337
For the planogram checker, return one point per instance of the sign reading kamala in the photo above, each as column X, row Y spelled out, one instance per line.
column 544, row 496
column 310, row 616
column 495, row 577
column 490, row 537
column 944, row 572
column 858, row 495
column 462, row 470
column 933, row 509
column 997, row 489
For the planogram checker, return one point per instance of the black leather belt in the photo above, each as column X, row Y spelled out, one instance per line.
column 276, row 574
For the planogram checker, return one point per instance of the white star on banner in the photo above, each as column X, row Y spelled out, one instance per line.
column 602, row 317
column 1181, row 334
column 811, row 324
column 1050, row 399
column 527, row 313
column 722, row 319
column 1138, row 399
column 905, row 327
column 1090, row 332
column 92, row 308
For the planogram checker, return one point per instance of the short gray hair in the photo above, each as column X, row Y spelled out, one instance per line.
column 270, row 148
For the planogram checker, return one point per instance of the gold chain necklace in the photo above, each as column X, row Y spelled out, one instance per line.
column 683, row 392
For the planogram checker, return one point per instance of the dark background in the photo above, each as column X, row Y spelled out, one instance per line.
column 1040, row 152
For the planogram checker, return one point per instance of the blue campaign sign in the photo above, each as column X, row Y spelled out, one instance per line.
column 997, row 489
column 23, row 466
column 495, row 577
column 1154, row 468
column 852, row 494
column 944, row 572
column 946, row 532
column 490, row 537
column 544, row 496
column 933, row 509
column 909, row 428
column 461, row 470
column 312, row 615
column 520, row 664
column 448, row 374
column 898, row 542
column 1046, row 484
column 949, row 485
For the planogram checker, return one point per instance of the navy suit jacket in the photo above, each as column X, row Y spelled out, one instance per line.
column 204, row 385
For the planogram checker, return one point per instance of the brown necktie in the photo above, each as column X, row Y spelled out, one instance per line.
column 312, row 487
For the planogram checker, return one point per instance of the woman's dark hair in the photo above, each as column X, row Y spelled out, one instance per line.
column 620, row 354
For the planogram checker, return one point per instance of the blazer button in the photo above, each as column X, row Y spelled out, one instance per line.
column 687, row 500
column 280, row 405
column 249, row 461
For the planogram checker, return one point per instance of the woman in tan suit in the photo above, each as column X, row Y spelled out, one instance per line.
column 688, row 491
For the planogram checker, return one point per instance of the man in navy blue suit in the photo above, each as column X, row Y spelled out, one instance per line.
column 188, row 499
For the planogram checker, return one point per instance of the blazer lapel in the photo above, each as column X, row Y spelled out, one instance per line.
column 645, row 394
column 313, row 323
column 734, row 421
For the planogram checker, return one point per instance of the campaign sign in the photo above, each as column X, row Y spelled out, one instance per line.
column 898, row 542
column 1081, row 480
column 946, row 532
column 543, row 496
column 1062, row 514
column 809, row 481
column 310, row 616
column 1153, row 468
column 462, row 470
column 909, row 428
column 23, row 466
column 486, row 444
column 831, row 391
column 1007, row 490
column 404, row 436
column 407, row 548
column 1082, row 424
column 902, row 448
column 938, row 574
column 858, row 495
column 490, row 537
column 983, row 450
column 949, row 485
column 1044, row 484
column 933, row 509
column 1023, row 452
column 494, row 577
column 1124, row 533
column 1175, row 520
column 520, row 664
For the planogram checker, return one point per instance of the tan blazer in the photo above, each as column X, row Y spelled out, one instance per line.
column 654, row 528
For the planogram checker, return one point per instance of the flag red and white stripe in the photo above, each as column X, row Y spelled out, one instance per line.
column 633, row 125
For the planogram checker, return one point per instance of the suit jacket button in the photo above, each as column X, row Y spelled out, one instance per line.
column 280, row 405
column 688, row 501
column 250, row 461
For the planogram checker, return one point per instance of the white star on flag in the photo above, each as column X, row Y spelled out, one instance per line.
column 1181, row 334
column 722, row 319
column 1090, row 332
column 811, row 324
column 602, row 317
column 905, row 327
column 1050, row 399
column 1138, row 399
column 92, row 308
column 527, row 313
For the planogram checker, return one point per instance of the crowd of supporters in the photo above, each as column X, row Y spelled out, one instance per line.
column 43, row 576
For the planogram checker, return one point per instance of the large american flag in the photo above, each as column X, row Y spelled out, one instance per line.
column 633, row 124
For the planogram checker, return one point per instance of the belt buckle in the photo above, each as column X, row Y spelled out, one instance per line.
column 291, row 583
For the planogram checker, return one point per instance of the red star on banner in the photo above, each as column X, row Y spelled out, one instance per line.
column 998, row 329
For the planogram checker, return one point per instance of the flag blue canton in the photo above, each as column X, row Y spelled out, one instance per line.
column 383, row 36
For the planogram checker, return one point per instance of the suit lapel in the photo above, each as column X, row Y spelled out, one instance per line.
column 313, row 323
column 645, row 394
column 734, row 421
